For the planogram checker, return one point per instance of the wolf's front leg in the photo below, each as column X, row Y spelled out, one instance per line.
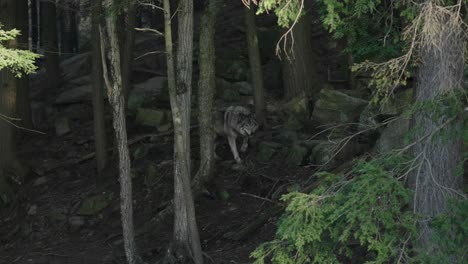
column 245, row 144
column 232, row 145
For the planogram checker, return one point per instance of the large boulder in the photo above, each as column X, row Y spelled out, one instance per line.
column 147, row 91
column 335, row 107
column 76, row 66
column 393, row 136
column 232, row 69
column 157, row 118
column 330, row 154
column 74, row 95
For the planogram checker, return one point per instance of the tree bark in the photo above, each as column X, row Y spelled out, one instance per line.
column 100, row 138
column 50, row 43
column 206, row 90
column 7, row 92
column 112, row 72
column 300, row 78
column 127, row 40
column 255, row 64
column 35, row 24
column 435, row 181
column 22, row 84
column 186, row 242
column 67, row 25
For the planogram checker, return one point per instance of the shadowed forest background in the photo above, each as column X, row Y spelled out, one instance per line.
column 108, row 143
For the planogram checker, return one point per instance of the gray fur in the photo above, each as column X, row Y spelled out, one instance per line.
column 237, row 121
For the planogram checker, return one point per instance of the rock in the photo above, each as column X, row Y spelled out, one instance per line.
column 32, row 210
column 296, row 154
column 41, row 180
column 230, row 95
column 147, row 91
column 244, row 88
column 151, row 87
column 151, row 175
column 62, row 126
column 393, row 136
column 77, row 221
column 165, row 127
column 76, row 66
column 74, row 95
column 334, row 107
column 232, row 69
column 77, row 111
column 397, row 103
column 266, row 150
column 95, row 204
column 326, row 154
column 80, row 81
column 150, row 117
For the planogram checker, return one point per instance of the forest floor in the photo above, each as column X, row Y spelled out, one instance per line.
column 47, row 223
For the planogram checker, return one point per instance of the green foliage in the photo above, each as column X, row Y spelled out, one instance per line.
column 367, row 210
column 19, row 62
column 287, row 11
column 450, row 235
column 372, row 27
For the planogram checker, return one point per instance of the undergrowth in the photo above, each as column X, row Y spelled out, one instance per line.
column 362, row 216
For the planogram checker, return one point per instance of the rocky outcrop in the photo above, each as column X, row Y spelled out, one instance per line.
column 335, row 107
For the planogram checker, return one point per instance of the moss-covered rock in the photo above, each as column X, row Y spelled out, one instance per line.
column 334, row 107
column 95, row 204
column 266, row 150
column 393, row 136
column 296, row 154
column 151, row 117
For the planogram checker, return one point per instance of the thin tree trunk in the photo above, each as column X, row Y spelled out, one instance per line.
column 100, row 138
column 67, row 28
column 127, row 37
column 35, row 26
column 7, row 92
column 50, row 41
column 112, row 75
column 23, row 102
column 186, row 242
column 255, row 64
column 300, row 78
column 206, row 90
column 436, row 180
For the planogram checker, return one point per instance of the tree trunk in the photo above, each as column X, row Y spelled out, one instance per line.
column 67, row 41
column 35, row 24
column 206, row 90
column 435, row 181
column 300, row 78
column 7, row 92
column 127, row 40
column 255, row 64
column 23, row 102
column 112, row 75
column 186, row 242
column 100, row 138
column 50, row 43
